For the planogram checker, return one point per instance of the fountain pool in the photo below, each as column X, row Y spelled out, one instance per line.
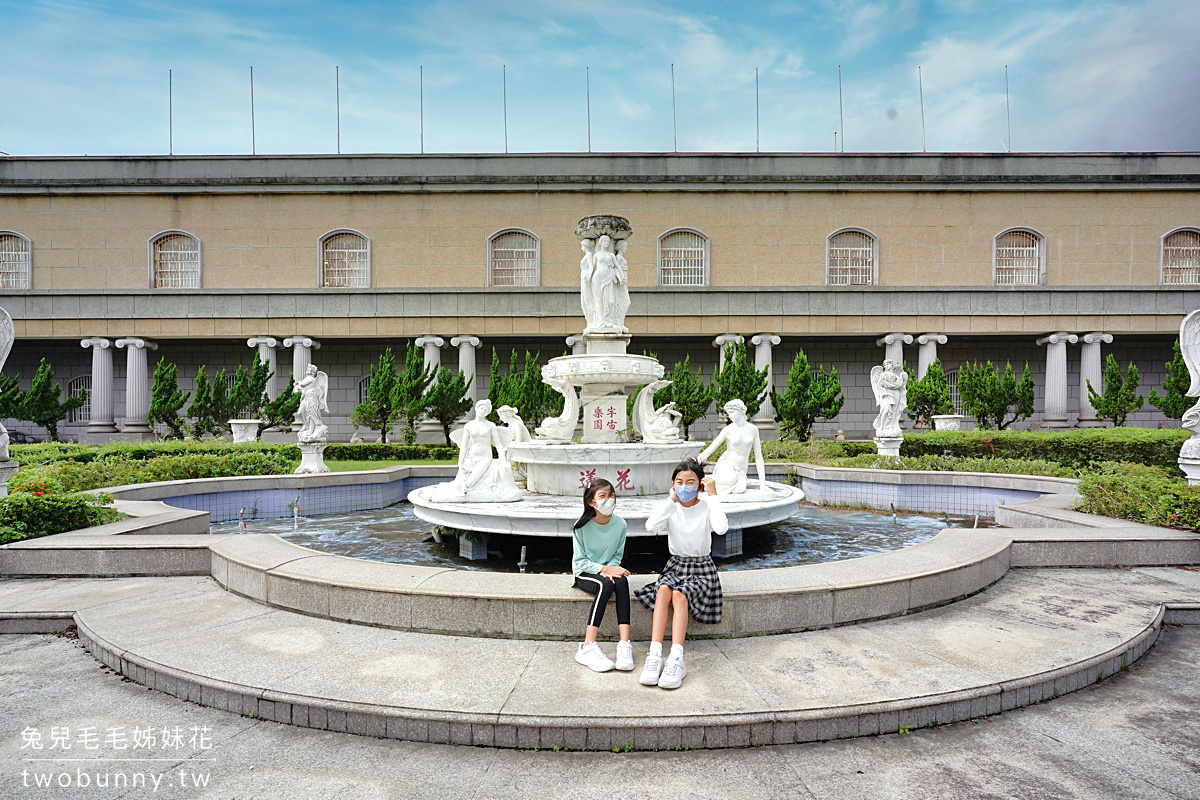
column 812, row 535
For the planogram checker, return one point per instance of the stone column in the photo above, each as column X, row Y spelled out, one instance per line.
column 1055, row 413
column 466, row 361
column 577, row 345
column 1091, row 368
column 266, row 352
column 927, row 353
column 101, row 420
column 430, row 430
column 302, row 347
column 137, row 385
column 763, row 342
column 720, row 342
column 895, row 346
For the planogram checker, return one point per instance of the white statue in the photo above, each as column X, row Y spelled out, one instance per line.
column 1189, row 345
column 587, row 265
column 621, row 289
column 656, row 426
column 7, row 336
column 608, row 315
column 741, row 439
column 512, row 420
column 560, row 429
column 890, row 385
column 314, row 398
column 482, row 477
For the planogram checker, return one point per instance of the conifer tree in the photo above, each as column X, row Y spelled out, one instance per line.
column 1174, row 400
column 42, row 404
column 10, row 396
column 166, row 400
column 929, row 395
column 206, row 410
column 738, row 379
column 1120, row 397
column 281, row 412
column 808, row 397
column 995, row 401
column 447, row 399
column 690, row 394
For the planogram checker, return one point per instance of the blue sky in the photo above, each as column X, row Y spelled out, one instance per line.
column 91, row 77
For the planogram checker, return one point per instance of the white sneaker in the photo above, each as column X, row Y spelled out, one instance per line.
column 625, row 656
column 593, row 658
column 672, row 674
column 651, row 670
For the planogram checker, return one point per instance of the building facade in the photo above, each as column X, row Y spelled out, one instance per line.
column 108, row 264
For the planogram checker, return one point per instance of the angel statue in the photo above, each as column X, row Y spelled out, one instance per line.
column 314, row 398
column 7, row 335
column 481, row 477
column 890, row 385
column 655, row 426
column 1189, row 345
column 512, row 420
column 560, row 429
column 742, row 440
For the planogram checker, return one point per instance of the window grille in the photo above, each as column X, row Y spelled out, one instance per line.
column 176, row 261
column 364, row 389
column 851, row 259
column 15, row 264
column 1181, row 258
column 955, row 400
column 345, row 261
column 514, row 259
column 84, row 412
column 1018, row 259
column 682, row 259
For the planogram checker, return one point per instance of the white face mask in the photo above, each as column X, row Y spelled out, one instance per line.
column 606, row 506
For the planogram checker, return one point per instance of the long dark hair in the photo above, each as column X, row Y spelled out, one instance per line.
column 589, row 493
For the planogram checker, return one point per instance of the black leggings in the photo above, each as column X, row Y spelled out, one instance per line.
column 603, row 588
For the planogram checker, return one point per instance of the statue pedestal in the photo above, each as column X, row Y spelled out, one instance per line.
column 1191, row 468
column 604, row 418
column 888, row 446
column 312, row 459
column 244, row 430
column 7, row 470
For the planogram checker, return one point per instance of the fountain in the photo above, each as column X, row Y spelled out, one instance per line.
column 558, row 466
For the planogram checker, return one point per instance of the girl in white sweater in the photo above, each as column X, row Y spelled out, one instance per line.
column 688, row 584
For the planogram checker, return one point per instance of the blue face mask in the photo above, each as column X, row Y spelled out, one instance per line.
column 686, row 494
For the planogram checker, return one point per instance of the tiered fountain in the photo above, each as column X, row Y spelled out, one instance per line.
column 484, row 496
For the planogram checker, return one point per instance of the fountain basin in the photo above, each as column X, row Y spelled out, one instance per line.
column 550, row 515
column 564, row 469
column 605, row 369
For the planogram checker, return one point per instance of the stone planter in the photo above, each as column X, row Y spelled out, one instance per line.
column 244, row 430
column 947, row 422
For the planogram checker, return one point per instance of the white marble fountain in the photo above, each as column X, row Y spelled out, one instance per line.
column 485, row 497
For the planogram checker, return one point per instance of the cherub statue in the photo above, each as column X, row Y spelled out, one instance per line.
column 7, row 335
column 1189, row 345
column 314, row 395
column 890, row 385
column 656, row 426
column 560, row 429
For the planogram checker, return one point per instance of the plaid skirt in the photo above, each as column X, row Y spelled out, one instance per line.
column 696, row 577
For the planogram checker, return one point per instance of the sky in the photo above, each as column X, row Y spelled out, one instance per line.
column 88, row 77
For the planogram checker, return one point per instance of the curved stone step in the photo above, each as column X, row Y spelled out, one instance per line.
column 1033, row 636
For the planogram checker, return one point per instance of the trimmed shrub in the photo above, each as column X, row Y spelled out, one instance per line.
column 28, row 515
column 1076, row 448
column 1140, row 493
column 817, row 452
column 390, row 452
column 76, row 476
column 1002, row 466
column 49, row 452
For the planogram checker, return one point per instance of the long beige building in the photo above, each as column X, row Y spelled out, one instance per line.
column 1053, row 260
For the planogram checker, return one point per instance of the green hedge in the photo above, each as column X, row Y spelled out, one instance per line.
column 1140, row 493
column 390, row 452
column 1076, row 448
column 50, row 452
column 30, row 514
column 816, row 452
column 1003, row 466
column 80, row 476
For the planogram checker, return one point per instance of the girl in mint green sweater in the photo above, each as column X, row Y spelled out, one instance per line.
column 599, row 546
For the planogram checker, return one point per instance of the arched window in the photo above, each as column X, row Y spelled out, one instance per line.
column 955, row 398
column 683, row 258
column 175, row 261
column 1181, row 257
column 345, row 260
column 514, row 259
column 84, row 412
column 851, row 258
column 1019, row 258
column 16, row 265
column 364, row 390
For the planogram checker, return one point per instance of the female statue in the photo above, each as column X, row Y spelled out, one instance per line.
column 314, row 395
column 481, row 477
column 604, row 292
column 622, row 286
column 512, row 420
column 587, row 297
column 741, row 438
column 890, row 386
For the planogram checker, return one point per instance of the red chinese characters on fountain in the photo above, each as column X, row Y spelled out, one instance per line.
column 623, row 481
column 598, row 424
column 612, row 418
column 586, row 478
